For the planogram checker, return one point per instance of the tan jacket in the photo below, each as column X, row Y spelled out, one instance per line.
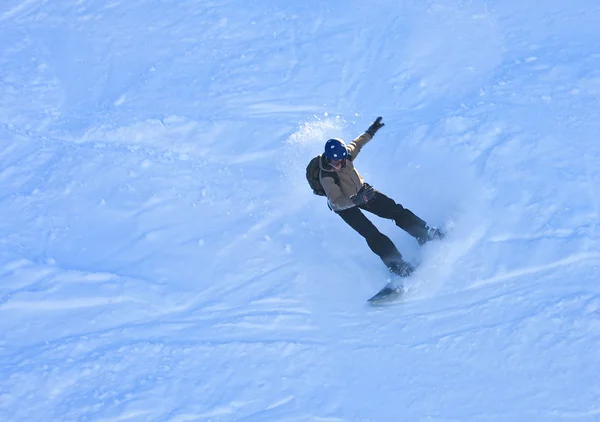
column 350, row 181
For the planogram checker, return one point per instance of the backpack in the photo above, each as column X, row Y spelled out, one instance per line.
column 313, row 173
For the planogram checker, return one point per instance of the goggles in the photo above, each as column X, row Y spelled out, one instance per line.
column 337, row 163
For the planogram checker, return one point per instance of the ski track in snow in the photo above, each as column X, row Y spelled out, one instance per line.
column 20, row 8
column 161, row 257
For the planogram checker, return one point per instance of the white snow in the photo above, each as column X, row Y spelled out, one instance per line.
column 162, row 257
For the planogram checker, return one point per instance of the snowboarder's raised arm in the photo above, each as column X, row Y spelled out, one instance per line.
column 356, row 145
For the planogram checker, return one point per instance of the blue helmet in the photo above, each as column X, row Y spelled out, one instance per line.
column 335, row 149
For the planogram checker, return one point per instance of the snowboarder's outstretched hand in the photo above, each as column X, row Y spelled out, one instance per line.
column 375, row 126
column 364, row 195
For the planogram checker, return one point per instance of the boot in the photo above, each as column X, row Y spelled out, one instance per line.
column 430, row 233
column 401, row 268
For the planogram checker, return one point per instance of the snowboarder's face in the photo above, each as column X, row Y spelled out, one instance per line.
column 337, row 164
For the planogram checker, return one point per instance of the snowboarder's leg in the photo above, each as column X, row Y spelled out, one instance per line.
column 385, row 207
column 379, row 243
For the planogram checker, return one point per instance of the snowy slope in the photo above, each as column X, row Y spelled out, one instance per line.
column 162, row 258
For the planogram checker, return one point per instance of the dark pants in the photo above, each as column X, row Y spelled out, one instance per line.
column 379, row 243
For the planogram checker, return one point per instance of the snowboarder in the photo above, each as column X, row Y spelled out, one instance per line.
column 348, row 196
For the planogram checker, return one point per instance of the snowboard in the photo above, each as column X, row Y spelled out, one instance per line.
column 395, row 286
column 389, row 292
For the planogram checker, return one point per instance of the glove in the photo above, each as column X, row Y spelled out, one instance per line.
column 364, row 195
column 375, row 126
